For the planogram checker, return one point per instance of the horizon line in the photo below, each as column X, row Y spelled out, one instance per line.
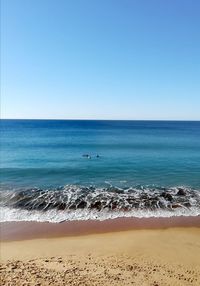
column 97, row 119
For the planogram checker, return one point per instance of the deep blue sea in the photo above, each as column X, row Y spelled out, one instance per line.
column 99, row 168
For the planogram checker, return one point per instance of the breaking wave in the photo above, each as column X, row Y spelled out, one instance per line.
column 73, row 202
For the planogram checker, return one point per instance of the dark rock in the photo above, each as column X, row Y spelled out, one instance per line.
column 167, row 196
column 175, row 206
column 72, row 206
column 112, row 204
column 181, row 192
column 81, row 205
column 62, row 206
column 96, row 205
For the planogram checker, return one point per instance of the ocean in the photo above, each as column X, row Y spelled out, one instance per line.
column 56, row 170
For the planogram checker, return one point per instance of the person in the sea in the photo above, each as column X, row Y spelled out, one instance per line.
column 87, row 156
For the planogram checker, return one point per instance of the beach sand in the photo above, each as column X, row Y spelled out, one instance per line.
column 154, row 256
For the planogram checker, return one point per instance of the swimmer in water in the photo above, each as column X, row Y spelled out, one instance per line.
column 86, row 156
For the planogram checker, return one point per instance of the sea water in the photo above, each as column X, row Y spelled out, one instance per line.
column 54, row 170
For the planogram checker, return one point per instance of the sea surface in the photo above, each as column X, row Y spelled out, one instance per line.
column 56, row 170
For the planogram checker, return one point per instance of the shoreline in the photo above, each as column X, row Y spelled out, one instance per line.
column 16, row 231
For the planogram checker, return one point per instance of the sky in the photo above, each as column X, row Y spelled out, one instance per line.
column 105, row 59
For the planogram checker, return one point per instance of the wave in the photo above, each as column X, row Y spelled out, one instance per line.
column 73, row 202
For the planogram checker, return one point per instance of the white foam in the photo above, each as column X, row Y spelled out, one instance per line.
column 54, row 216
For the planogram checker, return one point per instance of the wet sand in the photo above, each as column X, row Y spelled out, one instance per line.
column 159, row 253
column 31, row 230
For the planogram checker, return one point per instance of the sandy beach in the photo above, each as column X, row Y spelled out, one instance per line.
column 148, row 256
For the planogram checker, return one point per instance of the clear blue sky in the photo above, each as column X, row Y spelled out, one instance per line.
column 105, row 59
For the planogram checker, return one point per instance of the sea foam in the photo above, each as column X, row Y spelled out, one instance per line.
column 72, row 202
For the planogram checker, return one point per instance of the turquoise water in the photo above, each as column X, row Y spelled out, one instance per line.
column 47, row 154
